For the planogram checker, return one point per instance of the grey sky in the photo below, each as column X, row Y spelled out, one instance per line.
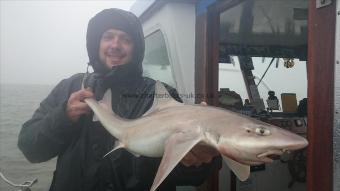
column 43, row 41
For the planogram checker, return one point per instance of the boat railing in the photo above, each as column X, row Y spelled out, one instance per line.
column 25, row 186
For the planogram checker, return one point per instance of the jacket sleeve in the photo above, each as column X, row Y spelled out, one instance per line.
column 49, row 131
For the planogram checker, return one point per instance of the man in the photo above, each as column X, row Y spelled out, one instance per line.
column 62, row 126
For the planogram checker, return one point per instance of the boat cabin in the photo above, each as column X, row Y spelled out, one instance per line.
column 274, row 60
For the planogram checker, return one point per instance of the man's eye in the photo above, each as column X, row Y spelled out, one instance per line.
column 126, row 40
column 107, row 37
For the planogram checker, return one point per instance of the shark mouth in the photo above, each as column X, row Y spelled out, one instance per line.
column 270, row 155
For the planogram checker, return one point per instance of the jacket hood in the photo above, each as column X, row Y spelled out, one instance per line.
column 121, row 20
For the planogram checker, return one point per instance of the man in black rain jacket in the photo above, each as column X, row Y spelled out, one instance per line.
column 62, row 126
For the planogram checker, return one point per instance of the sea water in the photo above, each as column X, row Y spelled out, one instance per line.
column 17, row 104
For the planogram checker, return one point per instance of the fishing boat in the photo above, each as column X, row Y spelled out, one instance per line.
column 274, row 60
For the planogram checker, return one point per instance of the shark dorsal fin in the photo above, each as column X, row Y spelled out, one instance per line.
column 162, row 99
column 105, row 103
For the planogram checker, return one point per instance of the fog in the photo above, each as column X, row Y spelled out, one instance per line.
column 43, row 41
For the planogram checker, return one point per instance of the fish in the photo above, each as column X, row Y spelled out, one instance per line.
column 170, row 129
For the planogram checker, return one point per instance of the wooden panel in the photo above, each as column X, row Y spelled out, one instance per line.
column 206, row 62
column 336, row 131
column 320, row 97
column 201, row 58
column 213, row 54
column 203, row 68
column 206, row 67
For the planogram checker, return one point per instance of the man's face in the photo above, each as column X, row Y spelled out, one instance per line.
column 116, row 48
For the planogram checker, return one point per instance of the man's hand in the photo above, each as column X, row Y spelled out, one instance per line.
column 198, row 155
column 76, row 105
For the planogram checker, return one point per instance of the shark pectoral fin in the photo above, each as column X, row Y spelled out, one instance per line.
column 118, row 145
column 240, row 170
column 162, row 99
column 176, row 147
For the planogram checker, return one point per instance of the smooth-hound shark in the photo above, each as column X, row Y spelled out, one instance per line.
column 171, row 129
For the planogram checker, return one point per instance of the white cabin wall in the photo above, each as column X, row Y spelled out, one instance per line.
column 177, row 23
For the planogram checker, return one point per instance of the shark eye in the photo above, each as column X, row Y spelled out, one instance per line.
column 262, row 131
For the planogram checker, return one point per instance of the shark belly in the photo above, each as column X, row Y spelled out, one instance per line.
column 147, row 142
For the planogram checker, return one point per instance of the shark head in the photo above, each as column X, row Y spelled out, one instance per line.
column 254, row 142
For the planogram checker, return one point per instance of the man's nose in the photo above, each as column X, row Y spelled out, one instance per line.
column 115, row 43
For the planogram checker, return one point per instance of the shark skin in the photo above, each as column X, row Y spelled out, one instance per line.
column 171, row 129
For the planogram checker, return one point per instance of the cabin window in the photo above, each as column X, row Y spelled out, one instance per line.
column 156, row 63
column 230, row 79
column 263, row 39
column 280, row 78
column 277, row 77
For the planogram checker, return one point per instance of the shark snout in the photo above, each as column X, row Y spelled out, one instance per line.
column 300, row 144
column 295, row 143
